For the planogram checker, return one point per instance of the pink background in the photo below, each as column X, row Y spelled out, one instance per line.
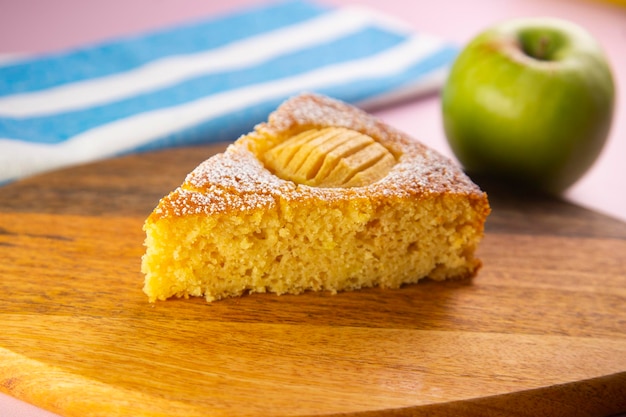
column 31, row 26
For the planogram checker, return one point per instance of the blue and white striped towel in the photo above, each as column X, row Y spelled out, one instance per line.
column 204, row 82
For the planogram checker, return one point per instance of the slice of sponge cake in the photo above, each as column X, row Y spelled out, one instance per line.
column 321, row 197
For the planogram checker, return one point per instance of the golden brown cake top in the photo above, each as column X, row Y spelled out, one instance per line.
column 241, row 178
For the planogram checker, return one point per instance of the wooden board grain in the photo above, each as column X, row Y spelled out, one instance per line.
column 540, row 331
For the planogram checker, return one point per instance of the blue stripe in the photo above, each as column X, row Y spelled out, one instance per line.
column 229, row 127
column 129, row 53
column 361, row 90
column 57, row 128
column 225, row 128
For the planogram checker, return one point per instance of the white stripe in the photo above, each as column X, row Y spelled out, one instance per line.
column 169, row 71
column 430, row 83
column 25, row 158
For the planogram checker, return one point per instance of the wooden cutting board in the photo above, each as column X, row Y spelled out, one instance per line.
column 540, row 331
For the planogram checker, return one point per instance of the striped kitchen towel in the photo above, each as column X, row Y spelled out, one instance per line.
column 204, row 82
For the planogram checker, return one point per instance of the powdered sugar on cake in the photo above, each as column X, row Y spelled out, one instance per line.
column 237, row 179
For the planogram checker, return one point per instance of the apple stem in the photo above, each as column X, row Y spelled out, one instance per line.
column 542, row 48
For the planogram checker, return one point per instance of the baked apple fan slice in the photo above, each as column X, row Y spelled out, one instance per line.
column 330, row 157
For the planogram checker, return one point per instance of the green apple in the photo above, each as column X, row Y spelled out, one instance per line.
column 529, row 101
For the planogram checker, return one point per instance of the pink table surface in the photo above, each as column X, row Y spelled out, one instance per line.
column 32, row 26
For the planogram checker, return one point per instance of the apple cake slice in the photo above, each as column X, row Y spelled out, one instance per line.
column 321, row 197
